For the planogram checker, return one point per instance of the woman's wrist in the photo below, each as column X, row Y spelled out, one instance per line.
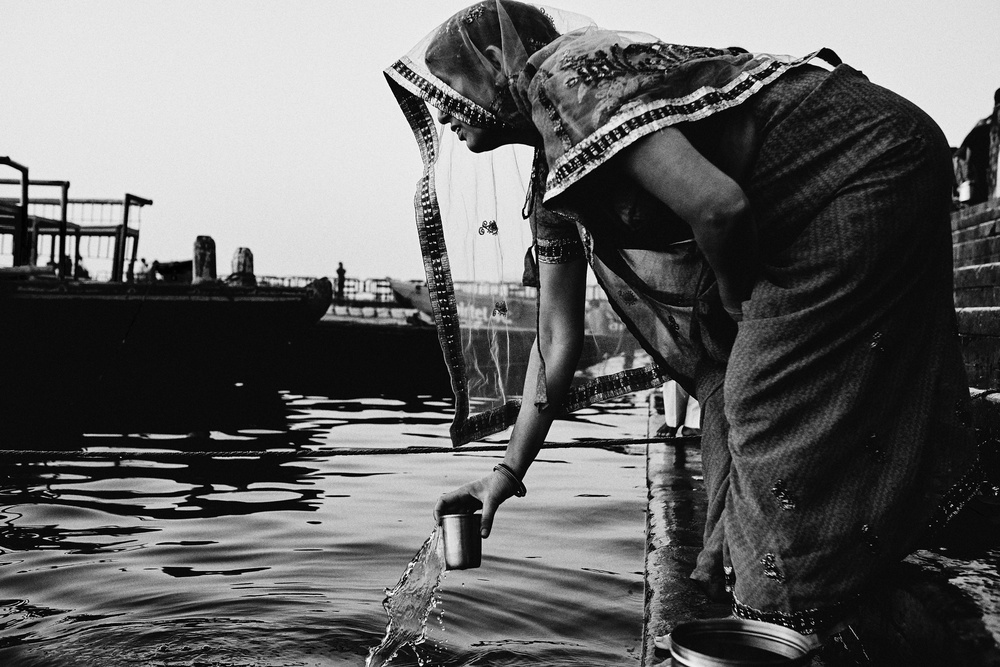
column 513, row 480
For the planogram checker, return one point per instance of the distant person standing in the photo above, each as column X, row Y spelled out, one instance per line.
column 142, row 272
column 994, row 174
column 80, row 272
column 681, row 412
column 341, row 273
column 978, row 157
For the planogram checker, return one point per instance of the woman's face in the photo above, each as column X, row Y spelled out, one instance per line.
column 477, row 139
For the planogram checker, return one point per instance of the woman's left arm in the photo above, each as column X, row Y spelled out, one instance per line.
column 560, row 340
column 672, row 170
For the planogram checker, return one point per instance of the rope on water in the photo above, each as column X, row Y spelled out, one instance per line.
column 318, row 453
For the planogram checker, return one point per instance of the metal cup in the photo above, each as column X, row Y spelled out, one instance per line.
column 463, row 545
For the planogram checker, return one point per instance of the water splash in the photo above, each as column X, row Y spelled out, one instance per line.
column 409, row 603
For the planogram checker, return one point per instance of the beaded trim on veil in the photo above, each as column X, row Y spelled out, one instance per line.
column 415, row 88
column 468, row 426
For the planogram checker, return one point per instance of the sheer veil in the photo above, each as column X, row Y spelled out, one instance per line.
column 470, row 214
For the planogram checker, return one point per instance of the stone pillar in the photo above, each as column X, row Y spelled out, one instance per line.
column 243, row 261
column 203, row 269
column 242, row 273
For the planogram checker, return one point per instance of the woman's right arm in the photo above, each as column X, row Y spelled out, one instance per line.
column 561, row 303
column 709, row 200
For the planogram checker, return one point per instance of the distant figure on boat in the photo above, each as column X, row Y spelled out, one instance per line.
column 142, row 274
column 81, row 272
column 154, row 272
column 66, row 267
column 341, row 278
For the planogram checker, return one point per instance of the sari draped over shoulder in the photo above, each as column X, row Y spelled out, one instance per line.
column 835, row 413
column 592, row 93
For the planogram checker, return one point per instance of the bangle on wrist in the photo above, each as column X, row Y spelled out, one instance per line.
column 506, row 471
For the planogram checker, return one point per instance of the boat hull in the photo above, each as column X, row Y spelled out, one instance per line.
column 84, row 355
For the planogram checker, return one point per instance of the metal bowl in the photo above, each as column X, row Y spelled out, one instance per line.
column 734, row 642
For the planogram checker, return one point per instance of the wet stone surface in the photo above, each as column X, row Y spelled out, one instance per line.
column 941, row 607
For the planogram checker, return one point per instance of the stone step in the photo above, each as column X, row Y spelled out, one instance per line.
column 976, row 251
column 981, row 231
column 975, row 215
column 979, row 320
column 977, row 275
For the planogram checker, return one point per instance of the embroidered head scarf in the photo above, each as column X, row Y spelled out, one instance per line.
column 588, row 93
column 470, row 217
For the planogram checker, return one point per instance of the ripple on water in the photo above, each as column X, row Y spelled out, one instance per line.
column 201, row 642
column 275, row 562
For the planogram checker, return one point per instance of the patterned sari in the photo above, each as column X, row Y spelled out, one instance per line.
column 834, row 414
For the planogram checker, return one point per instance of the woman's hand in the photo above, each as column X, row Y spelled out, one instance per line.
column 486, row 493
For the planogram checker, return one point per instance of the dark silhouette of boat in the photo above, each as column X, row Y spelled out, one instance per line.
column 83, row 352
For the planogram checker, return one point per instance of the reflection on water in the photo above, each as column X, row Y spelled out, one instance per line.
column 268, row 546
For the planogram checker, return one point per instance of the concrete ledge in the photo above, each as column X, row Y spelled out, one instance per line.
column 675, row 519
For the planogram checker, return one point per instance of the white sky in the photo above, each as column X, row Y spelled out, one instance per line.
column 268, row 123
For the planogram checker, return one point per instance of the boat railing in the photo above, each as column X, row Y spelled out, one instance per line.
column 285, row 281
column 379, row 290
column 68, row 231
column 512, row 290
column 14, row 215
column 355, row 289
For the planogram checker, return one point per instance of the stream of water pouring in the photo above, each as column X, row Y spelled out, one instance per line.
column 409, row 603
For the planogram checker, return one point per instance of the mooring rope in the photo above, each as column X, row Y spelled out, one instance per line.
column 317, row 453
column 116, row 454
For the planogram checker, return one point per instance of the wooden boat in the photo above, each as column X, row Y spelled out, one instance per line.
column 513, row 308
column 380, row 339
column 500, row 322
column 88, row 352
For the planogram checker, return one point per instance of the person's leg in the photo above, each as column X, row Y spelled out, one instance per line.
column 692, row 418
column 713, row 569
column 673, row 419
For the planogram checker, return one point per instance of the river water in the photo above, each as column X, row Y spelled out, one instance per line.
column 125, row 550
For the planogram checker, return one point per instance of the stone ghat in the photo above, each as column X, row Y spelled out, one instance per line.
column 976, row 253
